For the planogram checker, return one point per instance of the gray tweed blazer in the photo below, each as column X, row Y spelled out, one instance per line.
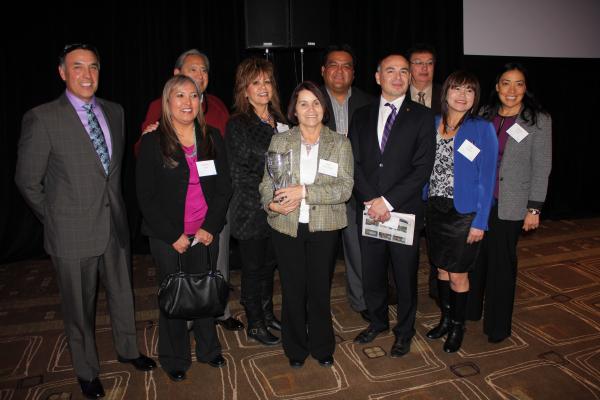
column 326, row 196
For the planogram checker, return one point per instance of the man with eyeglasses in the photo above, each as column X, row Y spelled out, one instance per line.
column 422, row 59
column 422, row 66
column 343, row 99
column 69, row 172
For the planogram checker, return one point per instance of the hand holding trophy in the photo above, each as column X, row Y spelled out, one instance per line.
column 279, row 167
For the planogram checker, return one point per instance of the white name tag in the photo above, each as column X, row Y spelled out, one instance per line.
column 282, row 127
column 517, row 132
column 206, row 168
column 328, row 168
column 468, row 150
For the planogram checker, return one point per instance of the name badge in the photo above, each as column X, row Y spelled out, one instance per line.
column 517, row 132
column 206, row 168
column 328, row 168
column 468, row 150
column 282, row 127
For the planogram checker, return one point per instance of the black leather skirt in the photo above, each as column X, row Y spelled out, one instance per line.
column 447, row 232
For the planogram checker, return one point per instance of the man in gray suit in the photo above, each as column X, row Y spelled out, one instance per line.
column 343, row 99
column 69, row 172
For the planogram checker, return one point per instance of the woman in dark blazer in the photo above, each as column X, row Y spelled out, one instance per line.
column 459, row 198
column 183, row 189
column 247, row 136
column 305, row 220
column 524, row 132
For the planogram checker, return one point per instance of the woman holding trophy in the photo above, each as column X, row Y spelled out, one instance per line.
column 306, row 217
column 248, row 134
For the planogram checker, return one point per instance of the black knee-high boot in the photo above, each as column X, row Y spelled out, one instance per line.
column 458, row 305
column 266, row 297
column 444, row 298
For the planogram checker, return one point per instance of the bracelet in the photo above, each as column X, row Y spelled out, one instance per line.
column 534, row 211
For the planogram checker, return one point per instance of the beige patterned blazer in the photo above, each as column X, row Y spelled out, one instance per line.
column 326, row 197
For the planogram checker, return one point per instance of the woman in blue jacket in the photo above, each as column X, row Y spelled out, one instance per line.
column 459, row 198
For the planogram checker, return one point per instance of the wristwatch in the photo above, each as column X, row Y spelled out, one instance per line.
column 534, row 211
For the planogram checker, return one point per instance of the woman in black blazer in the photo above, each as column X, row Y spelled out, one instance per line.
column 183, row 190
column 248, row 134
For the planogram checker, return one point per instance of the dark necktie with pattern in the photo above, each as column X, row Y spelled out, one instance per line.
column 421, row 98
column 97, row 136
column 388, row 125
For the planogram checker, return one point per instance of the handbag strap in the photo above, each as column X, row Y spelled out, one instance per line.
column 213, row 267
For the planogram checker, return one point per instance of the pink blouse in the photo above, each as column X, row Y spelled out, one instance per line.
column 195, row 203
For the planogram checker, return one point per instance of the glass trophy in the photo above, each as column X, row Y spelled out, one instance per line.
column 279, row 167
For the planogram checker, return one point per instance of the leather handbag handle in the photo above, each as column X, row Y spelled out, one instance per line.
column 213, row 268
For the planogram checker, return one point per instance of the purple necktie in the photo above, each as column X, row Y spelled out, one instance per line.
column 388, row 125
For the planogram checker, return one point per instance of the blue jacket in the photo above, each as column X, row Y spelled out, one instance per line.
column 474, row 180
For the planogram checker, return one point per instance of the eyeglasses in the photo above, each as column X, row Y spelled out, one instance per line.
column 420, row 63
column 76, row 46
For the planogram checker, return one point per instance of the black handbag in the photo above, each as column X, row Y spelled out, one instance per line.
column 191, row 296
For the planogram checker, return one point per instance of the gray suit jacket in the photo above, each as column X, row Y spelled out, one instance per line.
column 524, row 170
column 326, row 196
column 61, row 177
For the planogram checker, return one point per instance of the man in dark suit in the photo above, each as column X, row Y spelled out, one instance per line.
column 393, row 141
column 343, row 100
column 422, row 60
column 69, row 172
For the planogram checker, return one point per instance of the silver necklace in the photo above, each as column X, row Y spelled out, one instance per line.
column 309, row 146
column 195, row 152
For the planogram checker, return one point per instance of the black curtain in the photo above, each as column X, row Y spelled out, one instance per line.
column 139, row 42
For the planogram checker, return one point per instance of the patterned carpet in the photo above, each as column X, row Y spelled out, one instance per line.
column 554, row 352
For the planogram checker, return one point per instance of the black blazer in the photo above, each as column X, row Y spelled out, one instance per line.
column 400, row 173
column 247, row 140
column 436, row 95
column 357, row 100
column 161, row 190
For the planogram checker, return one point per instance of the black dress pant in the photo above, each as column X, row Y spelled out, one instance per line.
column 174, row 338
column 258, row 266
column 495, row 277
column 376, row 257
column 306, row 265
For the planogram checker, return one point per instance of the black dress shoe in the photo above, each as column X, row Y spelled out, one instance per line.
column 273, row 323
column 262, row 335
column 495, row 340
column 142, row 363
column 176, row 376
column 365, row 315
column 368, row 335
column 400, row 347
column 231, row 324
column 91, row 389
column 296, row 363
column 217, row 362
column 326, row 361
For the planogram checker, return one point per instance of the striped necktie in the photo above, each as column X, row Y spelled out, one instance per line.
column 388, row 125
